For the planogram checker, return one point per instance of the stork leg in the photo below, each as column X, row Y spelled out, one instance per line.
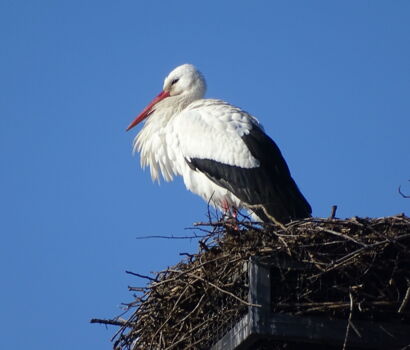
column 229, row 210
column 230, row 213
column 235, row 213
column 226, row 208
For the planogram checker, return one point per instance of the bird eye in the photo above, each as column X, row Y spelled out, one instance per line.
column 174, row 81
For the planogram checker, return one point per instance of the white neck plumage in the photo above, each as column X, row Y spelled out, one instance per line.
column 151, row 141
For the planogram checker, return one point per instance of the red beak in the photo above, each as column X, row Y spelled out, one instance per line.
column 148, row 110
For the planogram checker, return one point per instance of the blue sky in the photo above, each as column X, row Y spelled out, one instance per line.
column 329, row 80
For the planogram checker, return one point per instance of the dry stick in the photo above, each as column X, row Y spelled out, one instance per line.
column 137, row 289
column 402, row 194
column 355, row 220
column 332, row 306
column 141, row 276
column 355, row 329
column 353, row 254
column 348, row 321
column 190, row 256
column 316, row 263
column 405, row 301
column 250, row 225
column 345, row 259
column 223, row 290
column 129, row 322
column 195, row 308
column 181, row 273
column 341, row 235
column 110, row 322
column 208, row 224
column 170, row 313
column 285, row 244
column 169, row 237
column 333, row 212
column 186, row 316
column 301, row 222
column 186, row 335
column 315, row 245
column 190, row 346
column 178, row 332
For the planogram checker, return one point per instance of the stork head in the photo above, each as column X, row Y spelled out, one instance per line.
column 185, row 80
column 182, row 86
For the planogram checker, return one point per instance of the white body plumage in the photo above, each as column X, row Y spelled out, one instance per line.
column 207, row 129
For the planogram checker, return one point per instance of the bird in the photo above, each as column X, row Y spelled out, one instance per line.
column 222, row 152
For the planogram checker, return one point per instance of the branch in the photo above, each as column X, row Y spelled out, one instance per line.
column 223, row 290
column 121, row 323
column 402, row 194
column 141, row 276
column 405, row 301
column 349, row 320
column 333, row 212
column 170, row 237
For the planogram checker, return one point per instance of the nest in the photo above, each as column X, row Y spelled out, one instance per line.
column 358, row 264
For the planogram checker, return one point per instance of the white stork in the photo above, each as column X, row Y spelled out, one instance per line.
column 221, row 151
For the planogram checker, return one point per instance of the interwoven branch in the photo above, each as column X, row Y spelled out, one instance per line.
column 360, row 264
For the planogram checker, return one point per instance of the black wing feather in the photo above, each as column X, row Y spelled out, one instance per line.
column 267, row 189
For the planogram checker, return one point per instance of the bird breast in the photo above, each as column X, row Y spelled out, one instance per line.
column 151, row 143
column 205, row 129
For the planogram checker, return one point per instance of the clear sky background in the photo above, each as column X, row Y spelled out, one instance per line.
column 330, row 81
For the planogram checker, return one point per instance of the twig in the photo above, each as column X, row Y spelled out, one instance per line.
column 170, row 313
column 209, row 224
column 348, row 321
column 171, row 237
column 185, row 336
column 141, row 276
column 110, row 322
column 405, row 301
column 402, row 194
column 223, row 290
column 188, row 315
column 196, row 267
column 342, row 235
column 333, row 212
